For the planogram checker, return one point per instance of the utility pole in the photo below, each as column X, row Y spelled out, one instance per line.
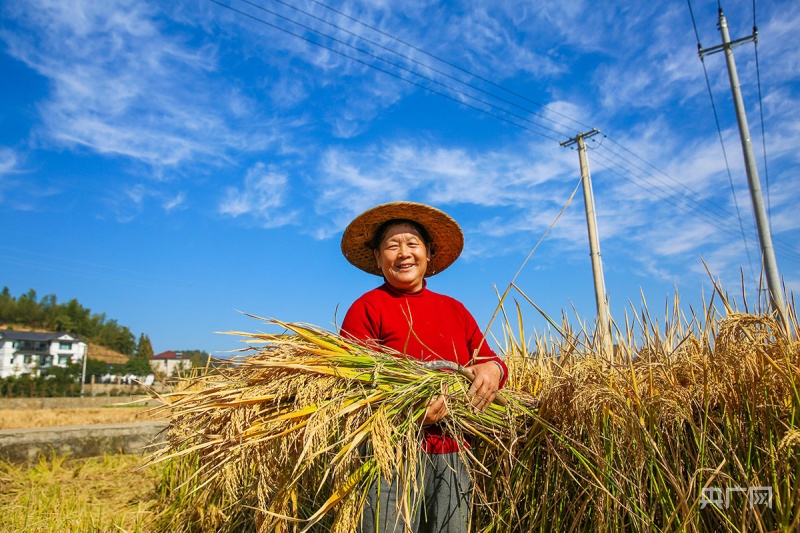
column 762, row 223
column 83, row 373
column 603, row 315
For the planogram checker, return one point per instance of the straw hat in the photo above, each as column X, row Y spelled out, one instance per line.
column 447, row 239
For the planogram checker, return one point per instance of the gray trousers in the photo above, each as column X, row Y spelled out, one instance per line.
column 443, row 506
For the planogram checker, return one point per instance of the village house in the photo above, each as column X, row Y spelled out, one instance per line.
column 30, row 352
column 170, row 363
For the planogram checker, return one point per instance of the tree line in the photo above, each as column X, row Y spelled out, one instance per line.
column 47, row 313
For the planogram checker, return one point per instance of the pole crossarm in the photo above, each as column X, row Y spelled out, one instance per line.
column 588, row 134
column 702, row 52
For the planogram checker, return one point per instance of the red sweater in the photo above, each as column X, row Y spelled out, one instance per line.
column 442, row 329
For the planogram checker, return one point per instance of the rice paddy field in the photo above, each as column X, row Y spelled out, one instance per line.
column 42, row 418
column 59, row 494
column 691, row 424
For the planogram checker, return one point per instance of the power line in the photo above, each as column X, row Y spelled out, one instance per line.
column 448, row 63
column 623, row 167
column 663, row 190
column 365, row 52
column 692, row 193
column 709, row 218
column 761, row 110
column 412, row 60
column 665, row 197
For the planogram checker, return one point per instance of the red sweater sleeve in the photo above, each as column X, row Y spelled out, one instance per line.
column 485, row 353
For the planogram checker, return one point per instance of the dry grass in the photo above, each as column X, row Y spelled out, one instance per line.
column 39, row 418
column 691, row 405
column 62, row 495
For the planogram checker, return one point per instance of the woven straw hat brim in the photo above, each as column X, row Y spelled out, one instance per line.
column 447, row 239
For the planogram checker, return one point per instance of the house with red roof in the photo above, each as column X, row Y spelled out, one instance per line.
column 170, row 363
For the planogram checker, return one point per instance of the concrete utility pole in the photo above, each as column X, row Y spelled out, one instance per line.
column 762, row 223
column 603, row 314
column 83, row 373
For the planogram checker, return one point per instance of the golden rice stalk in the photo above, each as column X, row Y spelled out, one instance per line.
column 630, row 446
column 310, row 420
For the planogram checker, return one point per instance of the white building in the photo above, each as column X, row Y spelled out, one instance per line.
column 170, row 363
column 28, row 352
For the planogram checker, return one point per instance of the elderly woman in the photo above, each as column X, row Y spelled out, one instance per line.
column 406, row 242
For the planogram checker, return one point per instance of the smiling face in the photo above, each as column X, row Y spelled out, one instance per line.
column 403, row 257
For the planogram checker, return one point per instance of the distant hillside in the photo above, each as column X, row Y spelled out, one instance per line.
column 48, row 314
column 107, row 355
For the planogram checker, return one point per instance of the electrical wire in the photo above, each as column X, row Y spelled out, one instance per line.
column 401, row 67
column 761, row 114
column 707, row 217
column 667, row 195
column 401, row 55
column 666, row 192
column 448, row 63
column 414, row 61
column 691, row 193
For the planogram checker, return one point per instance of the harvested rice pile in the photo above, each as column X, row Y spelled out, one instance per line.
column 289, row 439
column 300, row 429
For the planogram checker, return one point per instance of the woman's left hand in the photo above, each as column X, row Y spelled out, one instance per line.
column 485, row 385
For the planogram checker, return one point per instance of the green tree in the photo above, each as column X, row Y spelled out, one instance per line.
column 138, row 366
column 48, row 308
column 28, row 309
column 116, row 337
column 144, row 348
column 199, row 358
column 8, row 305
column 96, row 368
column 72, row 317
column 118, row 369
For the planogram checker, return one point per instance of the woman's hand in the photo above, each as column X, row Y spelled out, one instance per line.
column 485, row 385
column 437, row 409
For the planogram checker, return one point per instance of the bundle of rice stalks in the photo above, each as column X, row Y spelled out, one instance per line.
column 290, row 437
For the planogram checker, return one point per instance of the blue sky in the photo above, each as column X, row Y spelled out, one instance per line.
column 173, row 163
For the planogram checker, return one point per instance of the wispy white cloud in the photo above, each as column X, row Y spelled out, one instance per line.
column 439, row 174
column 261, row 198
column 17, row 190
column 175, row 202
column 492, row 30
column 126, row 83
column 8, row 166
column 131, row 201
column 9, row 163
column 287, row 92
column 514, row 179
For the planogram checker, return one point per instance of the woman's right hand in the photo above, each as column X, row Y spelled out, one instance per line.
column 437, row 409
